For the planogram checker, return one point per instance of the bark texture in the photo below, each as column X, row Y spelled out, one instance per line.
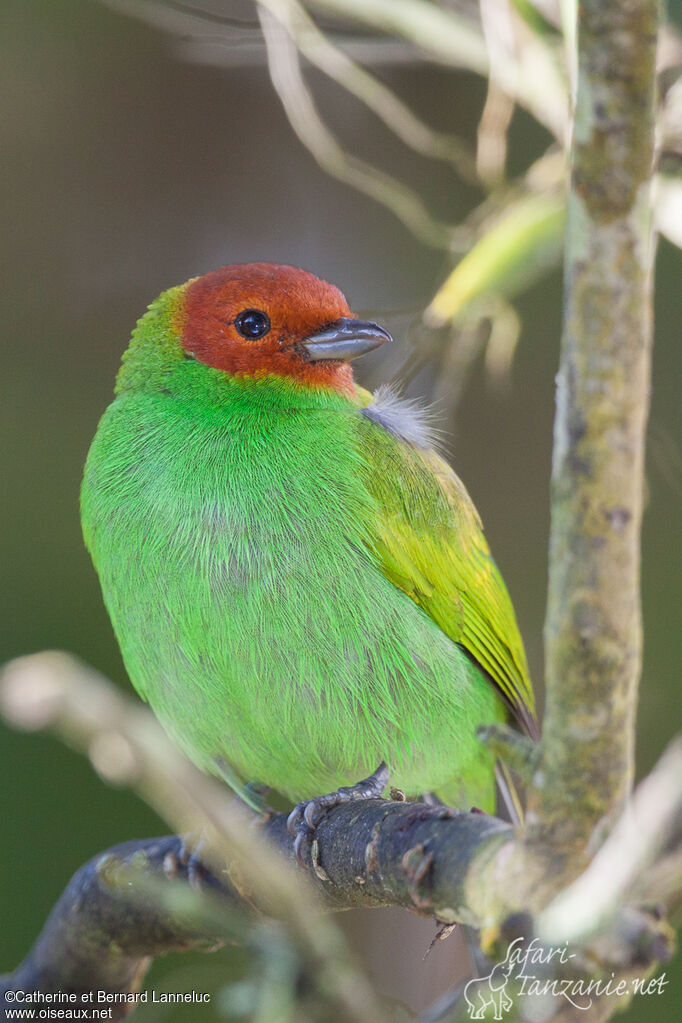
column 456, row 867
column 138, row 900
column 593, row 627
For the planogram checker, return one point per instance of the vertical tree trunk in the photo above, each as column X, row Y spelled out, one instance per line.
column 593, row 626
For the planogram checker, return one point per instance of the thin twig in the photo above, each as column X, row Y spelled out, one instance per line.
column 299, row 106
column 126, row 744
column 491, row 151
column 516, row 750
column 533, row 79
column 652, row 816
column 361, row 846
column 396, row 115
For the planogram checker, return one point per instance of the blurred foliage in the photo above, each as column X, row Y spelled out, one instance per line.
column 523, row 240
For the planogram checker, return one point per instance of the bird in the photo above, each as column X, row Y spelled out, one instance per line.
column 298, row 581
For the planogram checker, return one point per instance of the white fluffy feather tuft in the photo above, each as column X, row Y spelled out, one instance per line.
column 405, row 418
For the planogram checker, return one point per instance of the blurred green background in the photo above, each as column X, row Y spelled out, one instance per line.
column 129, row 169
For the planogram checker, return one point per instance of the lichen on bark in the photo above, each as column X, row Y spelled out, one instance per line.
column 593, row 625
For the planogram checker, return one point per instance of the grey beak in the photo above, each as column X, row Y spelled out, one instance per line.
column 344, row 339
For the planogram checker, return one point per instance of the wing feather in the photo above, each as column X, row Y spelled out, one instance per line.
column 429, row 540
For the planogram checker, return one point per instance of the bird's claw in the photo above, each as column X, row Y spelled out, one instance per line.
column 303, row 844
column 190, row 858
column 303, row 820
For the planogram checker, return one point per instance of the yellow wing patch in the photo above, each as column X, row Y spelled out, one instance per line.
column 429, row 540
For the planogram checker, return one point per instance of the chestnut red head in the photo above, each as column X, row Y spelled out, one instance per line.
column 258, row 319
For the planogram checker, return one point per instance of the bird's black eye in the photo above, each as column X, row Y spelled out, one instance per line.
column 252, row 323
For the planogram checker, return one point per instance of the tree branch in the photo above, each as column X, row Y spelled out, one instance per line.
column 532, row 78
column 651, row 819
column 451, row 865
column 593, row 626
column 103, row 933
column 377, row 853
column 457, row 867
column 516, row 750
column 316, row 47
column 288, row 82
column 127, row 745
column 136, row 901
column 372, row 851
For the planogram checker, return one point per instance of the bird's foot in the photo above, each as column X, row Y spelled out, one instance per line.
column 188, row 860
column 305, row 816
column 192, row 847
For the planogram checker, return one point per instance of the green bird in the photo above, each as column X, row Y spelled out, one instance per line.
column 299, row 583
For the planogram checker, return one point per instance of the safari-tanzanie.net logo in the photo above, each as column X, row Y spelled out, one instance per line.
column 529, row 971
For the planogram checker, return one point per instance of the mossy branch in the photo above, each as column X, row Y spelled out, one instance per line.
column 593, row 624
column 134, row 902
column 466, row 867
column 103, row 933
column 126, row 745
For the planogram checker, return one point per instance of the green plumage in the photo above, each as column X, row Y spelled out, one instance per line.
column 298, row 593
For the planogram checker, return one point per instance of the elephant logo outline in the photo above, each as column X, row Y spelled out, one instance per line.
column 488, row 991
